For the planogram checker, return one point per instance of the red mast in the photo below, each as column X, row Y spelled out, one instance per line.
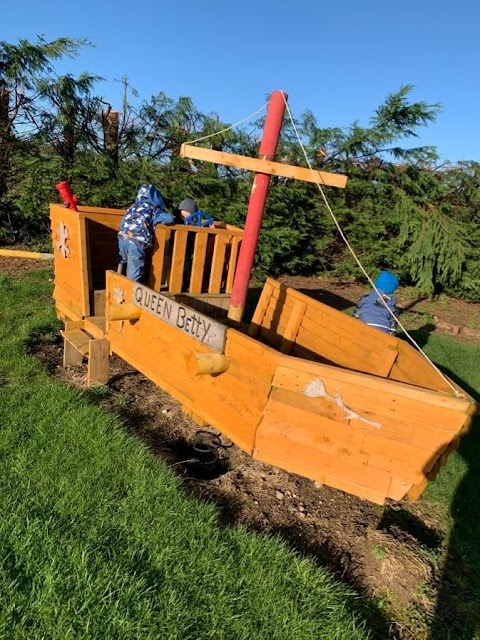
column 256, row 205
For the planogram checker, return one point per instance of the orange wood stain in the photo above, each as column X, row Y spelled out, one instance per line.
column 359, row 410
column 198, row 264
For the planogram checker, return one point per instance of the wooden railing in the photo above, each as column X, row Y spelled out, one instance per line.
column 194, row 259
column 298, row 325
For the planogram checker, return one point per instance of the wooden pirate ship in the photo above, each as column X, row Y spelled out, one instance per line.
column 302, row 386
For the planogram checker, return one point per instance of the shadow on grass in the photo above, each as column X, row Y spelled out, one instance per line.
column 457, row 611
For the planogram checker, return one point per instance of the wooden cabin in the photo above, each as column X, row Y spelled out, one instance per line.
column 302, row 386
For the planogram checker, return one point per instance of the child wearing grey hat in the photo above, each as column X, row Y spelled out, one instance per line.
column 190, row 214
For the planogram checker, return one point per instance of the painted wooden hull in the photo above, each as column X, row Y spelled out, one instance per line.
column 303, row 387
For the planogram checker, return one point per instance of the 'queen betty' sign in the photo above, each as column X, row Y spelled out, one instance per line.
column 191, row 322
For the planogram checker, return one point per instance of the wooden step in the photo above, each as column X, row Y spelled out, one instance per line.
column 78, row 343
column 75, row 340
column 95, row 326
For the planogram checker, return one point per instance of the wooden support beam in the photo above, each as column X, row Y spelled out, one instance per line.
column 75, row 344
column 98, row 352
column 32, row 255
column 198, row 262
column 260, row 309
column 125, row 311
column 218, row 260
column 292, row 327
column 201, row 363
column 175, row 280
column 263, row 166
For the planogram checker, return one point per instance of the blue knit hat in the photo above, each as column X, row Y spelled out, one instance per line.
column 387, row 282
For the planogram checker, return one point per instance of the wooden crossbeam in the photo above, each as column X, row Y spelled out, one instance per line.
column 263, row 166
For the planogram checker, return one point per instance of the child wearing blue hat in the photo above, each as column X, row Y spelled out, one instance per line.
column 373, row 311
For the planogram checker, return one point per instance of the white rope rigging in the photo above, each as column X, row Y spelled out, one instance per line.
column 342, row 235
column 217, row 133
column 360, row 266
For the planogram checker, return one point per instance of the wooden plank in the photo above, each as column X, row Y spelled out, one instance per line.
column 198, row 263
column 95, row 326
column 319, row 315
column 260, row 309
column 99, row 302
column 224, row 401
column 214, row 305
column 330, row 334
column 398, row 489
column 350, row 354
column 185, row 319
column 71, row 355
column 263, row 166
column 277, row 314
column 361, row 480
column 78, row 339
column 322, row 425
column 85, row 271
column 232, row 263
column 178, row 260
column 293, row 326
column 70, row 261
column 105, row 219
column 411, row 364
column 271, row 337
column 195, row 417
column 98, row 352
column 218, row 264
column 300, row 352
column 64, row 313
column 100, row 210
column 378, row 385
column 415, row 492
column 395, row 431
column 73, row 324
column 161, row 237
column 282, row 304
column 228, row 231
column 377, row 399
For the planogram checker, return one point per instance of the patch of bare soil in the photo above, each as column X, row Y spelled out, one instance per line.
column 381, row 551
column 390, row 554
column 15, row 266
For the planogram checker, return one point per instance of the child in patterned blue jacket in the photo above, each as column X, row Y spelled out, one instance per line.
column 373, row 311
column 136, row 229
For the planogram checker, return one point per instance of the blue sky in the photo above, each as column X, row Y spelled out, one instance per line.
column 338, row 59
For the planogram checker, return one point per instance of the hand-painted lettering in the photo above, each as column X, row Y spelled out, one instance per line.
column 138, row 295
column 191, row 322
column 206, row 329
column 167, row 310
column 181, row 317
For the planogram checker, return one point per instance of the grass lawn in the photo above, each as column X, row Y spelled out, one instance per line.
column 455, row 495
column 98, row 540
